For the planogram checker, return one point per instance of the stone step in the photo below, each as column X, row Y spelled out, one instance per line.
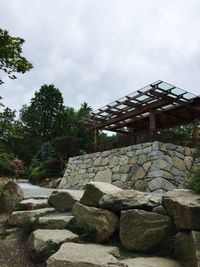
column 32, row 204
column 87, row 255
column 42, row 243
column 151, row 262
column 55, row 220
column 64, row 200
column 17, row 218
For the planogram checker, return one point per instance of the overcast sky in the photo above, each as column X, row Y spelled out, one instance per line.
column 100, row 50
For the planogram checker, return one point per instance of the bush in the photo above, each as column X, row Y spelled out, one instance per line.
column 37, row 174
column 46, row 152
column 194, row 181
column 53, row 168
column 20, row 169
column 7, row 168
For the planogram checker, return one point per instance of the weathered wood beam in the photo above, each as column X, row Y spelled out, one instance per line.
column 117, row 131
column 175, row 100
column 96, row 139
column 152, row 124
column 132, row 113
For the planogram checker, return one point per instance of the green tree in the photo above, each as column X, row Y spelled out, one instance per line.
column 11, row 60
column 9, row 127
column 46, row 152
column 41, row 116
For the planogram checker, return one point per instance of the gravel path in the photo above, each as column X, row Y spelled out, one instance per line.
column 12, row 250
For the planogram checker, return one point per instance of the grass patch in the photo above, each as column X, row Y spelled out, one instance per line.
column 50, row 248
column 85, row 232
column 194, row 181
column 4, row 234
column 28, row 226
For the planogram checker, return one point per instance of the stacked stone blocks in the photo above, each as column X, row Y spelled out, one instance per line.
column 154, row 167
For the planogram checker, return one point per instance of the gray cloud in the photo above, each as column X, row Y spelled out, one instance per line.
column 99, row 50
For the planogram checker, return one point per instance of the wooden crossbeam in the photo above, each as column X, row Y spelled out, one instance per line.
column 175, row 100
column 130, row 114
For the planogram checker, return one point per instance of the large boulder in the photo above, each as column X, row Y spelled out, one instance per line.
column 63, row 200
column 43, row 242
column 17, row 218
column 10, row 196
column 104, row 222
column 32, row 204
column 85, row 255
column 129, row 199
column 143, row 230
column 184, row 206
column 95, row 190
column 151, row 262
column 55, row 220
column 187, row 247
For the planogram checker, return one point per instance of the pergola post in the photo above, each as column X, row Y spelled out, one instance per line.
column 152, row 124
column 196, row 133
column 96, row 137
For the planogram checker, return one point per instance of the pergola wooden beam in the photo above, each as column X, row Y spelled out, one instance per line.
column 176, row 100
column 154, row 107
column 152, row 124
column 135, row 112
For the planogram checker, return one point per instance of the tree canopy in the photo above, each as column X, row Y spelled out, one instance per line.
column 11, row 59
column 41, row 116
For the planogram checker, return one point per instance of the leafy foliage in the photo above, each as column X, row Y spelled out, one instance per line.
column 7, row 168
column 41, row 116
column 46, row 152
column 4, row 234
column 50, row 248
column 11, row 60
column 20, row 169
column 194, row 181
column 85, row 232
column 28, row 226
column 53, row 168
column 37, row 174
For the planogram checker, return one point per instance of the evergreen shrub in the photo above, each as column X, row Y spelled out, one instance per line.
column 194, row 181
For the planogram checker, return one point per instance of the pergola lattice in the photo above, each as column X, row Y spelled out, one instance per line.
column 155, row 107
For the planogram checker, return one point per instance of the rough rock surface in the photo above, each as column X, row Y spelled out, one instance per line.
column 10, row 196
column 95, row 190
column 129, row 199
column 143, row 230
column 151, row 262
column 38, row 241
column 187, row 247
column 17, row 217
column 103, row 176
column 84, row 255
column 63, row 200
column 184, row 206
column 152, row 166
column 55, row 220
column 103, row 221
column 32, row 204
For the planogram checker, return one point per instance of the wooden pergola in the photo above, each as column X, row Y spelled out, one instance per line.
column 155, row 107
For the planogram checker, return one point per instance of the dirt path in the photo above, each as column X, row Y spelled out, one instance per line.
column 12, row 249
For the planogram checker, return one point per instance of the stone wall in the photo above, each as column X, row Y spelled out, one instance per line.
column 154, row 167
